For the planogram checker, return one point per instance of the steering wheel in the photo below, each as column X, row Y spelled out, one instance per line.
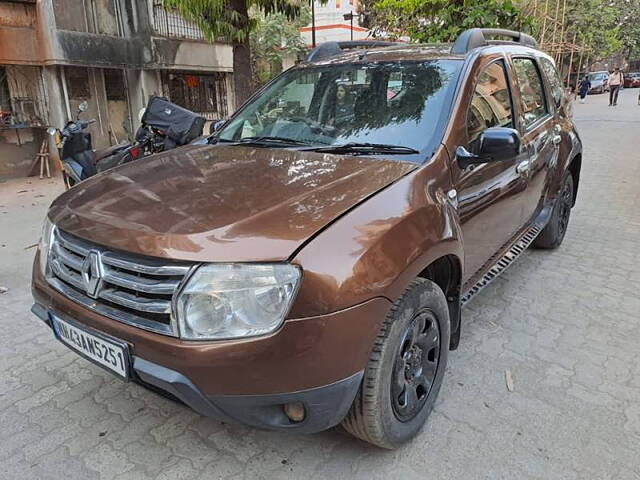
column 313, row 125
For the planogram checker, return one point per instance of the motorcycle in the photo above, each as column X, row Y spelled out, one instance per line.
column 163, row 126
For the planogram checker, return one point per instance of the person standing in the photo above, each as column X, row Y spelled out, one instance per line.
column 584, row 87
column 615, row 81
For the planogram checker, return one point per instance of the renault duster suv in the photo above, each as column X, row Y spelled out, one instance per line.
column 307, row 267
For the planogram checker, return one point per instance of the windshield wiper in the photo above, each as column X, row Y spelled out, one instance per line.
column 265, row 139
column 366, row 148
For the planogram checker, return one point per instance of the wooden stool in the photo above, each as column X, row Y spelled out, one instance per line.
column 43, row 158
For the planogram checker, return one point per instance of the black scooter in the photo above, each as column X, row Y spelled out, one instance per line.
column 79, row 160
column 164, row 126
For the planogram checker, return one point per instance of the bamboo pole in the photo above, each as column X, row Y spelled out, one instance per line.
column 580, row 64
column 563, row 33
column 571, row 58
column 555, row 23
column 544, row 22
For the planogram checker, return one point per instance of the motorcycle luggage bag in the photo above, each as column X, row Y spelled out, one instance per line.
column 179, row 124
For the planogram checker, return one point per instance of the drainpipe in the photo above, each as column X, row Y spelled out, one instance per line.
column 66, row 93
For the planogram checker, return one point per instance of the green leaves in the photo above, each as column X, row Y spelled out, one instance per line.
column 273, row 38
column 441, row 21
column 229, row 19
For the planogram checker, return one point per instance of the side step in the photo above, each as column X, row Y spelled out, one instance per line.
column 503, row 262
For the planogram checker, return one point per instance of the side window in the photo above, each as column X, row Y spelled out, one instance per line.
column 491, row 102
column 554, row 80
column 534, row 106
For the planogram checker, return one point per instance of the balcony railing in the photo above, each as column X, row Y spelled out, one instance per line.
column 169, row 23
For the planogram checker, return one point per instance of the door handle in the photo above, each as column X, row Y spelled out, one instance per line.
column 523, row 167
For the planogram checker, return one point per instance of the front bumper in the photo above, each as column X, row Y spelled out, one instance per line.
column 324, row 406
column 317, row 361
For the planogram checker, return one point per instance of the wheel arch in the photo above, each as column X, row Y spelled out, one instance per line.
column 575, row 165
column 442, row 265
column 446, row 272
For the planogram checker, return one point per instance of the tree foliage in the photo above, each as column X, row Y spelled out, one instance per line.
column 221, row 19
column 440, row 20
column 273, row 38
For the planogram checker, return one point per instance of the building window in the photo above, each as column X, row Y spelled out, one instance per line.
column 22, row 97
column 98, row 16
column 202, row 93
column 114, row 84
column 78, row 83
column 169, row 23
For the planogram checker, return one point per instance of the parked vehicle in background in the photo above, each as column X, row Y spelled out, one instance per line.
column 632, row 80
column 79, row 160
column 308, row 267
column 163, row 126
column 599, row 82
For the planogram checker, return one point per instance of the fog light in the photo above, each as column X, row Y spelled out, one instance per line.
column 295, row 411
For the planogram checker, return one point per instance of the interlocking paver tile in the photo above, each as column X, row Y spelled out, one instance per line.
column 565, row 323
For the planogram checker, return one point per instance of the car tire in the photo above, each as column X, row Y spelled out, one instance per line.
column 405, row 369
column 553, row 234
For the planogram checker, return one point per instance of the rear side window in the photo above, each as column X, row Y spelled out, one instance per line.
column 534, row 106
column 554, row 80
column 491, row 102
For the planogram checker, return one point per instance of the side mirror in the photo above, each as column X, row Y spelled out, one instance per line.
column 215, row 125
column 496, row 144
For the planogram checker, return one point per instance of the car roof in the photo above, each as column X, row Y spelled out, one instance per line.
column 469, row 44
column 397, row 52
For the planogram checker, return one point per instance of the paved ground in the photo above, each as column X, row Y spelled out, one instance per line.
column 567, row 324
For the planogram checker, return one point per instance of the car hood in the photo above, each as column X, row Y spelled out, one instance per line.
column 220, row 203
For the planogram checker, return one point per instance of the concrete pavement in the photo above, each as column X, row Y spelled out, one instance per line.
column 565, row 323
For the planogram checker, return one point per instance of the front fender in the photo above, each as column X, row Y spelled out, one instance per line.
column 378, row 248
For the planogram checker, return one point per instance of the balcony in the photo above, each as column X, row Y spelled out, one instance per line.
column 169, row 23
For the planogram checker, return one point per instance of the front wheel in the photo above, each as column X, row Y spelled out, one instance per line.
column 405, row 370
column 553, row 233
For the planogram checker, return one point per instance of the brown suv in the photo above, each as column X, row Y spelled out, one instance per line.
column 307, row 265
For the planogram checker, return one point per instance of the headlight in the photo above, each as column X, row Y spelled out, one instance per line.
column 223, row 301
column 45, row 244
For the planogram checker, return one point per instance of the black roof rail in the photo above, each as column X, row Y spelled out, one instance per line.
column 476, row 37
column 331, row 49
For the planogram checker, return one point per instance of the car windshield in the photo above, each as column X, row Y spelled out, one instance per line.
column 391, row 103
column 596, row 76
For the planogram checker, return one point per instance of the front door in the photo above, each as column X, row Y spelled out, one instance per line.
column 490, row 195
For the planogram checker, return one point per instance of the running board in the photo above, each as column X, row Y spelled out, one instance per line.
column 504, row 262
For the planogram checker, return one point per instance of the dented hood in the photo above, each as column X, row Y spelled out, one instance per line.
column 220, row 203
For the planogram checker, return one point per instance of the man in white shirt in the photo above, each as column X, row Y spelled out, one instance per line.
column 615, row 81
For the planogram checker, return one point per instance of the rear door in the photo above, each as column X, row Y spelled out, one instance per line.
column 538, row 130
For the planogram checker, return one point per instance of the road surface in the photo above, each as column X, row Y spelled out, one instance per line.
column 566, row 324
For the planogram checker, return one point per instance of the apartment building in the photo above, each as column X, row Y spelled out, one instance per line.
column 114, row 54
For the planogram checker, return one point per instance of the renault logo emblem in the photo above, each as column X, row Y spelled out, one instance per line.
column 92, row 272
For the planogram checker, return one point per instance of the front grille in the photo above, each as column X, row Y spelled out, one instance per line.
column 131, row 289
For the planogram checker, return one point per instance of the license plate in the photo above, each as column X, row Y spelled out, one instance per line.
column 107, row 353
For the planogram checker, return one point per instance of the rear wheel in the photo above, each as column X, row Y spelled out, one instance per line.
column 405, row 369
column 553, row 233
